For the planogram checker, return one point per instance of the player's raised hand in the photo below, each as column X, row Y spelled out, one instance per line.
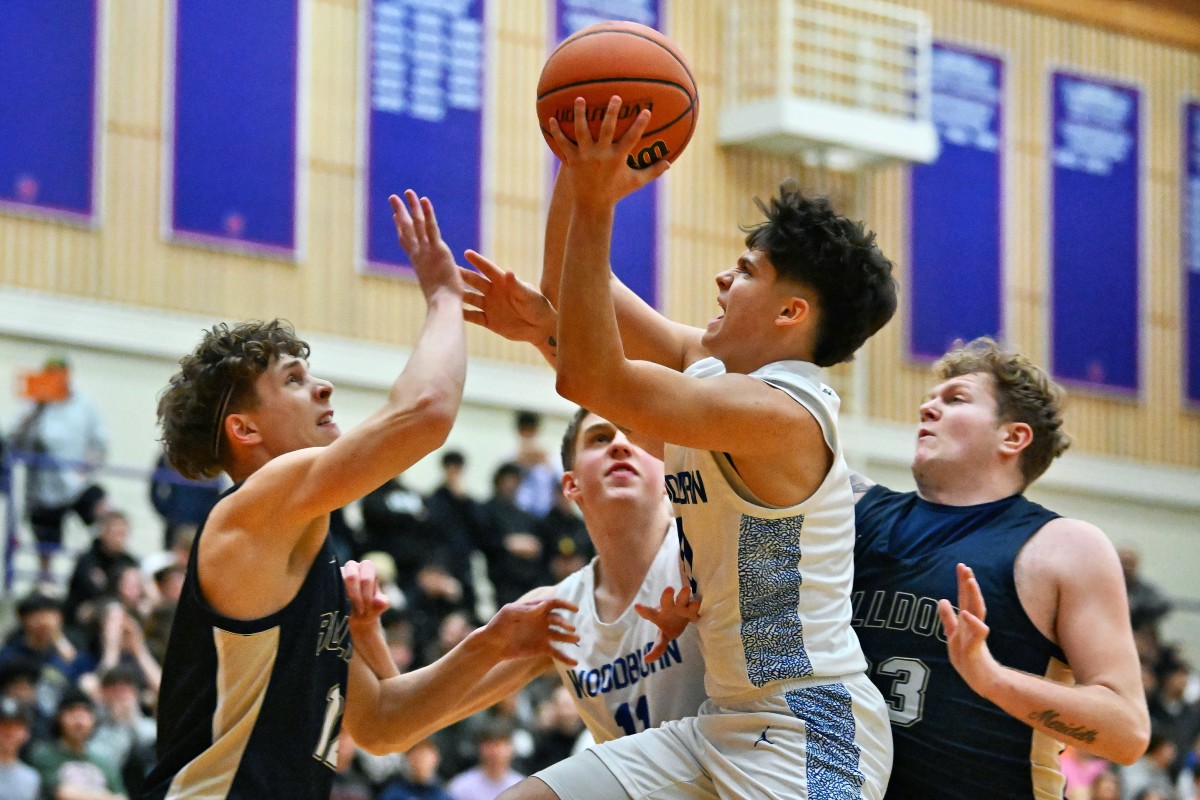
column 675, row 610
column 601, row 173
column 498, row 300
column 966, row 633
column 417, row 229
column 532, row 628
column 367, row 602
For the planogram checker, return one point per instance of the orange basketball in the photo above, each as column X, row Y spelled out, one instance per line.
column 636, row 62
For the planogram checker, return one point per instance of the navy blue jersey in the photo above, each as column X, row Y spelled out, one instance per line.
column 949, row 741
column 252, row 709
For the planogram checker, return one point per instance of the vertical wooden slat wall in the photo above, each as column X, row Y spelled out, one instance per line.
column 708, row 194
column 1156, row 426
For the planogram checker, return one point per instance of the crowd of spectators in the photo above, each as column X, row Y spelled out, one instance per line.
column 80, row 662
column 1170, row 769
column 80, row 665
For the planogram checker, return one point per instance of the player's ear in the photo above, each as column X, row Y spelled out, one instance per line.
column 242, row 429
column 793, row 311
column 1017, row 436
column 570, row 488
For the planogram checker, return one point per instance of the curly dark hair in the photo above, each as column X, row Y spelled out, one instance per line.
column 214, row 380
column 1024, row 393
column 808, row 242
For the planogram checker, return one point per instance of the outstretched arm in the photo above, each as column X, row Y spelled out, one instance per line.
column 298, row 487
column 1104, row 712
column 646, row 334
column 393, row 713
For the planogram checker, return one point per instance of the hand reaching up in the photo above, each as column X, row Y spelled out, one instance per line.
column 966, row 633
column 675, row 610
column 505, row 304
column 600, row 174
column 417, row 229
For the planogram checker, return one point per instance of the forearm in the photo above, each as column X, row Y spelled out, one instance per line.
column 1093, row 718
column 589, row 345
column 371, row 647
column 554, row 246
column 436, row 368
column 392, row 715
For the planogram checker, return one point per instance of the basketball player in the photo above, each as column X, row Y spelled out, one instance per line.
column 979, row 714
column 255, row 681
column 617, row 688
column 760, row 489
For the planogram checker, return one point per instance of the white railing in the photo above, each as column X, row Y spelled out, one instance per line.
column 849, row 75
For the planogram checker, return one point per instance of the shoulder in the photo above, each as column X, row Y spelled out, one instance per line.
column 1067, row 555
column 542, row 592
column 1067, row 545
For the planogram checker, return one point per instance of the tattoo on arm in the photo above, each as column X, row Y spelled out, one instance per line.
column 1050, row 720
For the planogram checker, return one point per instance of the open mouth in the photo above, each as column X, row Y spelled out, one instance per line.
column 325, row 419
column 621, row 469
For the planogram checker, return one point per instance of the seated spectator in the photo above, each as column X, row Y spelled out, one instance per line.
column 422, row 782
column 349, row 783
column 568, row 546
column 18, row 780
column 1107, row 786
column 541, row 470
column 515, row 555
column 1147, row 603
column 1171, row 711
column 456, row 518
column 558, row 729
column 69, row 765
column 181, row 502
column 167, row 574
column 124, row 734
column 395, row 521
column 494, row 773
column 398, row 634
column 92, row 576
column 20, row 680
column 40, row 638
column 1151, row 771
column 1081, row 770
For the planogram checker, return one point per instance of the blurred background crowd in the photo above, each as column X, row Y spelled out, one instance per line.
column 86, row 624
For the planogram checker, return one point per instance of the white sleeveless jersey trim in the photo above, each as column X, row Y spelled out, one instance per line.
column 775, row 582
column 616, row 691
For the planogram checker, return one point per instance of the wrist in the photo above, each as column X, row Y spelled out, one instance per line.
column 445, row 295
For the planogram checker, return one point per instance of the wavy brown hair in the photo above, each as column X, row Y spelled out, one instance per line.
column 214, row 380
column 1024, row 393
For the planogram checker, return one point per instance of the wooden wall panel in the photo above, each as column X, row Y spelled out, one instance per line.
column 708, row 194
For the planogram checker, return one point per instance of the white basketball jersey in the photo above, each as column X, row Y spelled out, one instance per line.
column 775, row 582
column 616, row 691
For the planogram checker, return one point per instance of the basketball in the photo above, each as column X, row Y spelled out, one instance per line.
column 633, row 61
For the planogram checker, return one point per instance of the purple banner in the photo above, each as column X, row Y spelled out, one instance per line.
column 635, row 242
column 233, row 162
column 48, row 107
column 1190, row 225
column 1095, row 233
column 957, row 224
column 424, row 122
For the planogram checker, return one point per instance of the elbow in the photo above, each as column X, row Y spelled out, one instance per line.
column 435, row 412
column 1133, row 743
column 373, row 737
column 574, row 387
